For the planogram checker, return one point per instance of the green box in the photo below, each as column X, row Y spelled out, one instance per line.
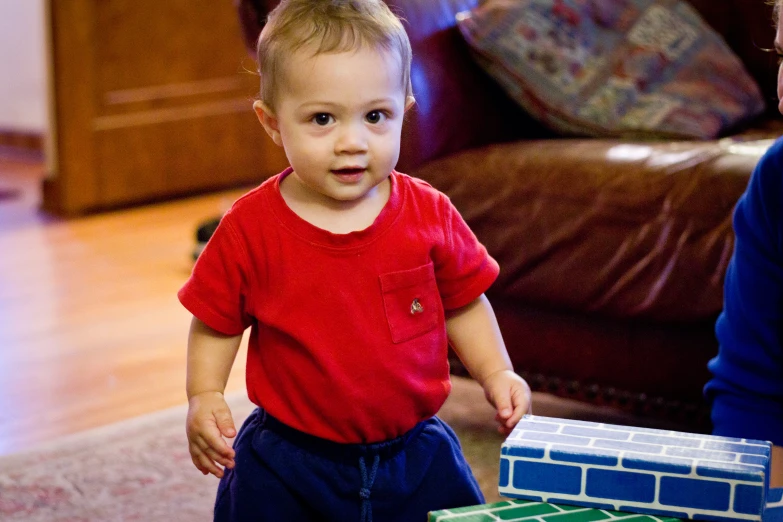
column 530, row 511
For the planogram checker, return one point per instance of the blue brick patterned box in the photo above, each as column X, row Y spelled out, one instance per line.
column 640, row 470
column 774, row 509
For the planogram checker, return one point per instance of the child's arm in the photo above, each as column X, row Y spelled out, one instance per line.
column 474, row 334
column 210, row 357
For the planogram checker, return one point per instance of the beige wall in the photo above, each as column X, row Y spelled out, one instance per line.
column 23, row 90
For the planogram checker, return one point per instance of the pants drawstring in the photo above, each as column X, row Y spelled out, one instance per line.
column 367, row 482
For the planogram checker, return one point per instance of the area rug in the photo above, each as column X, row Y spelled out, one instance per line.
column 140, row 469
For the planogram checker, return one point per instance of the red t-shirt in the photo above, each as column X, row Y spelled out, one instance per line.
column 348, row 339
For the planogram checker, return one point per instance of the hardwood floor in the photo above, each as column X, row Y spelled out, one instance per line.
column 91, row 331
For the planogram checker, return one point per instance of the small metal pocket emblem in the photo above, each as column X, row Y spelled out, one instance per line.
column 416, row 307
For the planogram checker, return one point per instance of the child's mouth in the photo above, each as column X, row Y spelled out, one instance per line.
column 349, row 174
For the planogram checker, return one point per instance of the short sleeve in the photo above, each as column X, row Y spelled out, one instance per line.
column 216, row 291
column 463, row 268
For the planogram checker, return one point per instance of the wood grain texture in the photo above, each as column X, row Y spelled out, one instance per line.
column 91, row 331
column 151, row 100
column 72, row 61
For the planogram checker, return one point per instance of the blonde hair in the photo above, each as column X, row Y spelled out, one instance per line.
column 329, row 26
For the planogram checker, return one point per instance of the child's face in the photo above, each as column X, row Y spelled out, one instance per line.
column 339, row 118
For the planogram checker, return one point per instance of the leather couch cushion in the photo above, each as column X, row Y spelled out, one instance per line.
column 621, row 229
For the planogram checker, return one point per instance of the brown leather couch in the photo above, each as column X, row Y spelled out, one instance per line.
column 612, row 253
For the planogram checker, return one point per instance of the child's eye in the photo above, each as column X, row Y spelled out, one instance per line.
column 375, row 117
column 322, row 119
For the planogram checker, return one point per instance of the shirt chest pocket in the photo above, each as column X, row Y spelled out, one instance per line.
column 412, row 302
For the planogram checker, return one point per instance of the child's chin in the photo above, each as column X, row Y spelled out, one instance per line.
column 347, row 198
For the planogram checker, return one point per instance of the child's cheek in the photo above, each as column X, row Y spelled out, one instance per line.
column 317, row 131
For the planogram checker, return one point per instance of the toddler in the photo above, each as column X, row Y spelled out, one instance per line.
column 353, row 278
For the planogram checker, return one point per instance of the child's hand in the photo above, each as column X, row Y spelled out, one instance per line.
column 209, row 420
column 510, row 395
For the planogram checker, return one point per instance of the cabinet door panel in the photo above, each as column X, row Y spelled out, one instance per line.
column 152, row 100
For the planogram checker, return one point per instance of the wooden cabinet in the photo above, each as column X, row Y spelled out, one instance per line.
column 151, row 100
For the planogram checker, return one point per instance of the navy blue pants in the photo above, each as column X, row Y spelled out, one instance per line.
column 283, row 474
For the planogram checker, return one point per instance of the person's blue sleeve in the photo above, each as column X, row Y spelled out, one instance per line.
column 746, row 391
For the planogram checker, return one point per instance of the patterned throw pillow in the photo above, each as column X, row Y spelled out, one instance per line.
column 613, row 68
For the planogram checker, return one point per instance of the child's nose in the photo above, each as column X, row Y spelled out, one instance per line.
column 352, row 139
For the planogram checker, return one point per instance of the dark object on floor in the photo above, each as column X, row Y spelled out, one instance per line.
column 203, row 233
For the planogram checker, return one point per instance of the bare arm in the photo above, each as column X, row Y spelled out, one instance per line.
column 776, row 473
column 210, row 357
column 474, row 334
column 475, row 337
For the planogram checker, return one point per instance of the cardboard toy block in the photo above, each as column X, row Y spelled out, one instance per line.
column 774, row 510
column 530, row 511
column 638, row 470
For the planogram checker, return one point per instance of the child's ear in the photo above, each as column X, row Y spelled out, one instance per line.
column 268, row 120
column 409, row 102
